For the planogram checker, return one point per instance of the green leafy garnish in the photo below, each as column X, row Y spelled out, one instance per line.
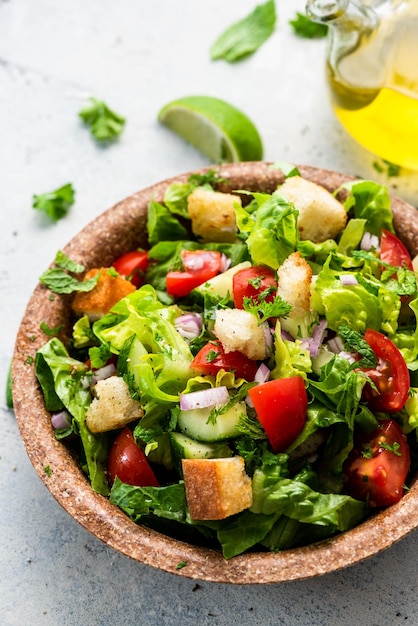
column 47, row 470
column 247, row 35
column 9, row 395
column 58, row 280
column 388, row 168
column 288, row 169
column 305, row 27
column 105, row 124
column 355, row 342
column 264, row 310
column 55, row 204
column 47, row 330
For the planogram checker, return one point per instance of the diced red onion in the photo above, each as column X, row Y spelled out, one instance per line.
column 268, row 338
column 312, row 344
column 189, row 325
column 348, row 280
column 249, row 402
column 336, row 344
column 262, row 374
column 286, row 335
column 194, row 262
column 61, row 420
column 103, row 372
column 215, row 396
column 369, row 241
column 225, row 263
column 348, row 356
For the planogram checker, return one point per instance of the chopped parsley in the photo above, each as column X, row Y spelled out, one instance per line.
column 105, row 124
column 55, row 204
column 51, row 332
column 265, row 310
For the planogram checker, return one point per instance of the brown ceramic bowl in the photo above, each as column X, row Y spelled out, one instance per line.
column 117, row 230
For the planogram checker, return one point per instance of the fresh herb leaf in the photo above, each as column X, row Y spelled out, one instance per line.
column 47, row 330
column 288, row 169
column 105, row 124
column 367, row 451
column 55, row 204
column 388, row 168
column 265, row 310
column 59, row 281
column 305, row 27
column 211, row 356
column 181, row 565
column 355, row 342
column 247, row 35
column 9, row 395
column 63, row 261
column 47, row 470
column 391, row 447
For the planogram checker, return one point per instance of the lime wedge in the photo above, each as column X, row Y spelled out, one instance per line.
column 218, row 129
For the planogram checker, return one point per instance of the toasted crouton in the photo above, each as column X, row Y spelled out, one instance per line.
column 113, row 406
column 321, row 216
column 216, row 488
column 97, row 302
column 213, row 215
column 239, row 330
column 294, row 278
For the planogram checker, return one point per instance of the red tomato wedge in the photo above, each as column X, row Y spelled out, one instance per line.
column 132, row 265
column 390, row 376
column 199, row 266
column 281, row 407
column 378, row 465
column 250, row 282
column 393, row 251
column 212, row 358
column 128, row 462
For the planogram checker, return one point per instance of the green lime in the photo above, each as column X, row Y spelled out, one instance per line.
column 218, row 129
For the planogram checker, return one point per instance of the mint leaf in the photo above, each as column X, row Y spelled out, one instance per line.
column 55, row 204
column 355, row 342
column 247, row 35
column 59, row 281
column 104, row 123
column 65, row 263
column 305, row 27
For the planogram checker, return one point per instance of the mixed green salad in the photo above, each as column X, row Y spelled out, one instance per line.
column 296, row 355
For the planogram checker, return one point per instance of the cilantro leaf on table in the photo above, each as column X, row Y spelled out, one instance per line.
column 244, row 37
column 305, row 27
column 55, row 204
column 105, row 124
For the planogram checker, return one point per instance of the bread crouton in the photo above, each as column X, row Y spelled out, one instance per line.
column 97, row 302
column 294, row 278
column 216, row 488
column 113, row 406
column 239, row 330
column 213, row 215
column 321, row 216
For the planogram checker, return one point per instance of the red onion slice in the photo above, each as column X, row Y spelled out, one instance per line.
column 61, row 420
column 369, row 241
column 262, row 374
column 348, row 279
column 103, row 372
column 189, row 325
column 312, row 344
column 216, row 396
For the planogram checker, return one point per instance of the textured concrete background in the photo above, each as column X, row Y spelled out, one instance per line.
column 137, row 56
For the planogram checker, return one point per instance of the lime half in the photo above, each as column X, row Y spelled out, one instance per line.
column 218, row 129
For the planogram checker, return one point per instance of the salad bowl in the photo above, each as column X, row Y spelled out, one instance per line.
column 117, row 230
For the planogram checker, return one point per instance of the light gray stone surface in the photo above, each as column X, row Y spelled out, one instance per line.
column 137, row 56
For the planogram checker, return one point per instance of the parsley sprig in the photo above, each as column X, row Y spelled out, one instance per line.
column 264, row 310
column 105, row 124
column 55, row 204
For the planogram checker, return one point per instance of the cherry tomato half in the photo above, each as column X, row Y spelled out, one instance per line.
column 250, row 282
column 377, row 467
column 199, row 266
column 281, row 407
column 393, row 251
column 390, row 376
column 132, row 266
column 128, row 462
column 212, row 358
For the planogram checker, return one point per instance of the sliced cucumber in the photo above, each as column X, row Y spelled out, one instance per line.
column 196, row 424
column 184, row 447
column 221, row 284
column 131, row 353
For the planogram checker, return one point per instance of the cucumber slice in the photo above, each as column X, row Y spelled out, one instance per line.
column 131, row 353
column 184, row 447
column 195, row 424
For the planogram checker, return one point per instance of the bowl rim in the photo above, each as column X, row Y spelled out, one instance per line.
column 70, row 487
